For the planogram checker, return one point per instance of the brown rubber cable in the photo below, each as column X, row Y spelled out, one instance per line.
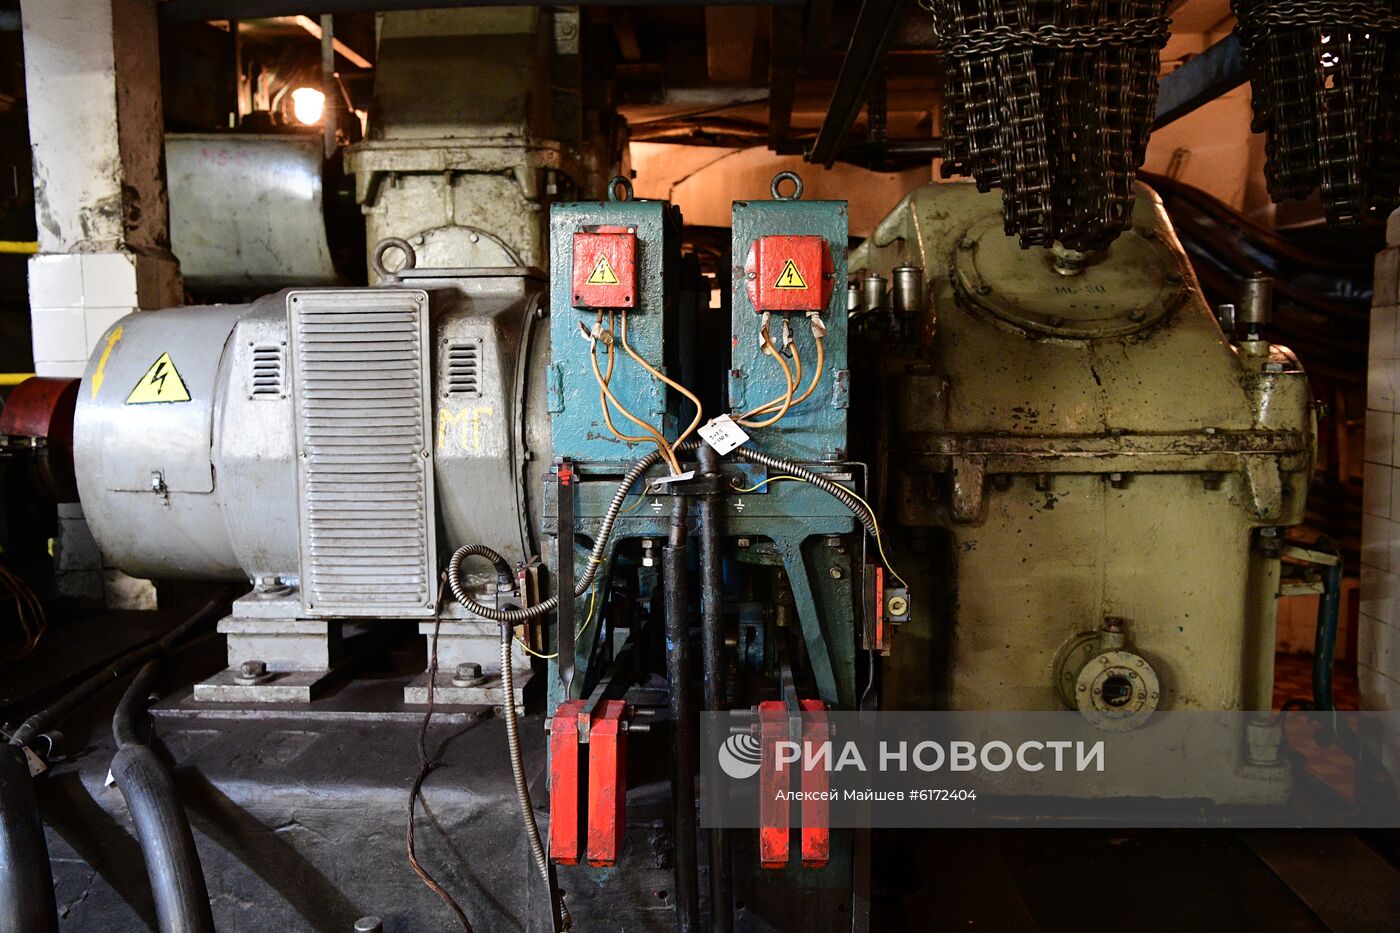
column 425, row 767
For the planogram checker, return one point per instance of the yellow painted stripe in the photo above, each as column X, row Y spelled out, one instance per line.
column 99, row 374
column 23, row 247
column 14, row 379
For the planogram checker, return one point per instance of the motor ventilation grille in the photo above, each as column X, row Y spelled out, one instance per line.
column 363, row 427
column 267, row 372
column 464, row 369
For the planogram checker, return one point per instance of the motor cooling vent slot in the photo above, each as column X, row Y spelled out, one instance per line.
column 463, row 369
column 364, row 452
column 267, row 372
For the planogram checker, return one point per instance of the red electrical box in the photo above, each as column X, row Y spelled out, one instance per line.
column 788, row 273
column 605, row 269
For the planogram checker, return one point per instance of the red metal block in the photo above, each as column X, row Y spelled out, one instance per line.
column 41, row 407
column 605, row 269
column 773, row 813
column 564, row 794
column 789, row 273
column 816, row 814
column 607, row 784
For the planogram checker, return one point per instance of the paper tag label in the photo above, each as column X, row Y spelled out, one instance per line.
column 678, row 478
column 723, row 434
column 35, row 763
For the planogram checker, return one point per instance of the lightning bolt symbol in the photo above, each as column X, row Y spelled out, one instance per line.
column 158, row 377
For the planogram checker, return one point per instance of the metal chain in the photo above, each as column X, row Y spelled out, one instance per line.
column 1322, row 73
column 1284, row 14
column 1052, row 101
column 1150, row 31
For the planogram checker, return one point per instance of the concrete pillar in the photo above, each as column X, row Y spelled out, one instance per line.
column 92, row 75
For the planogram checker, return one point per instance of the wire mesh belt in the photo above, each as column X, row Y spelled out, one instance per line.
column 1052, row 101
column 1324, row 76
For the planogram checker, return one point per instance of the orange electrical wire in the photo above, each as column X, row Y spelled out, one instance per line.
column 797, row 376
column 606, row 396
column 658, row 374
column 786, row 401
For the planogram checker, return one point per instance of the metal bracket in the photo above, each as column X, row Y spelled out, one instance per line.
column 564, row 571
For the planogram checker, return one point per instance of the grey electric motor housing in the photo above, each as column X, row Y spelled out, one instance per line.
column 334, row 440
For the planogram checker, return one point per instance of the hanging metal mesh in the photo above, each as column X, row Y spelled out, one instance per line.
column 1325, row 77
column 1052, row 101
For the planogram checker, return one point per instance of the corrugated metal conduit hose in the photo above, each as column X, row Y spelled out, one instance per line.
column 508, row 618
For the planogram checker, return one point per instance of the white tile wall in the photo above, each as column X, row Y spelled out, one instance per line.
column 1378, row 663
column 74, row 298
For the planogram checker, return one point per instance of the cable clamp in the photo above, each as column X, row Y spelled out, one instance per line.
column 818, row 325
column 786, row 339
column 764, row 339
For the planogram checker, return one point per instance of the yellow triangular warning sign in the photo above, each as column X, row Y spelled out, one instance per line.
column 602, row 272
column 790, row 278
column 160, row 384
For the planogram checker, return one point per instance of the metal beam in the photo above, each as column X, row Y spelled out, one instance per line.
column 875, row 26
column 786, row 46
column 1200, row 80
column 183, row 11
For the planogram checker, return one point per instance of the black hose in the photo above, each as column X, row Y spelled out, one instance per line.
column 26, row 882
column 162, row 829
column 682, row 709
column 65, row 704
column 712, row 660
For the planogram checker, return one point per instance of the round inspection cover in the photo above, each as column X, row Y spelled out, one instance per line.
column 1117, row 691
column 1128, row 287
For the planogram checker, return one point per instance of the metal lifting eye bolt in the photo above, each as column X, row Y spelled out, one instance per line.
column 776, row 187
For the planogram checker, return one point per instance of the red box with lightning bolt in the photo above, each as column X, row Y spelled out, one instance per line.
column 789, row 273
column 605, row 269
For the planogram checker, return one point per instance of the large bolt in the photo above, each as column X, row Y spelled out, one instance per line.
column 466, row 674
column 251, row 672
column 836, row 573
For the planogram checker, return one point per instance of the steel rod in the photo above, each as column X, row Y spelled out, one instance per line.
column 712, row 657
column 682, row 710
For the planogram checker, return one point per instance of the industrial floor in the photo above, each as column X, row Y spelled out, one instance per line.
column 1030, row 879
column 1158, row 880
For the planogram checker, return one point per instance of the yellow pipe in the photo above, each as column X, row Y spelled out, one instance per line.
column 14, row 379
column 22, row 247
